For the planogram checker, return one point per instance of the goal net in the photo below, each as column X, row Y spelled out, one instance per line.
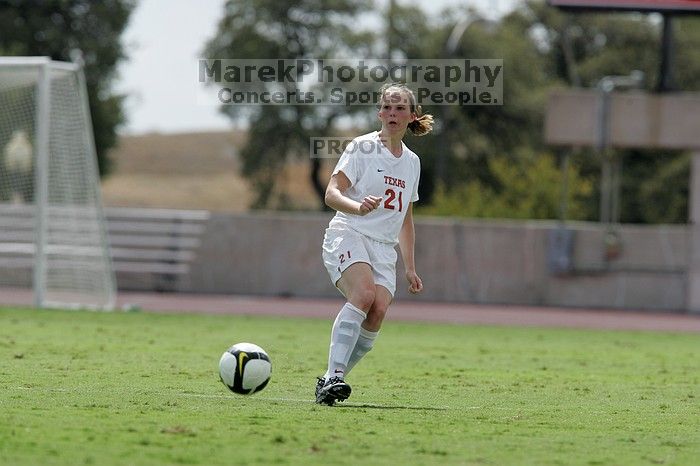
column 52, row 229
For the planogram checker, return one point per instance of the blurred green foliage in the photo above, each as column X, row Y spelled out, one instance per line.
column 529, row 188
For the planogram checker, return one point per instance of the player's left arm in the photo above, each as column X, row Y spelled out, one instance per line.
column 407, row 241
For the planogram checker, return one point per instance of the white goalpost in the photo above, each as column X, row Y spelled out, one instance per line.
column 52, row 226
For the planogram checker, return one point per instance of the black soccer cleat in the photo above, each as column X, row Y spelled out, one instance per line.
column 320, row 397
column 331, row 390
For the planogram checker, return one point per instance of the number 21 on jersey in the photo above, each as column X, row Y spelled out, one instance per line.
column 391, row 197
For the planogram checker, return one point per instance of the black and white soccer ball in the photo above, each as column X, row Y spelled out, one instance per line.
column 245, row 368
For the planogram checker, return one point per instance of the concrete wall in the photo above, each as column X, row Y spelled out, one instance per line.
column 470, row 261
column 268, row 254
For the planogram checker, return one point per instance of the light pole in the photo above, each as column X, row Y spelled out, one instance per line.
column 611, row 167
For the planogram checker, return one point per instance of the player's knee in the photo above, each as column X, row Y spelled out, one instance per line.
column 374, row 319
column 363, row 298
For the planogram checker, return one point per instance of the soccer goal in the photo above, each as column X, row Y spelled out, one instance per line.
column 52, row 227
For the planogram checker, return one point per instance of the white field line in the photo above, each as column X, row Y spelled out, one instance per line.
column 277, row 399
column 252, row 397
column 306, row 400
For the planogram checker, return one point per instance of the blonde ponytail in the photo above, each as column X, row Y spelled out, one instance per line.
column 422, row 125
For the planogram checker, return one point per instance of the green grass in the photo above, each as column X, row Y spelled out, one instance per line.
column 138, row 388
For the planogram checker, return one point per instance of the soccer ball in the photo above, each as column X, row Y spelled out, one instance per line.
column 245, row 368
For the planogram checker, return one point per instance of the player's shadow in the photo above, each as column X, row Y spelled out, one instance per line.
column 390, row 407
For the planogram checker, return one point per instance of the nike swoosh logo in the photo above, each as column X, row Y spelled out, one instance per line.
column 379, row 170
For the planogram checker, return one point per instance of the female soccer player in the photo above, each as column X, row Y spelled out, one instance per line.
column 372, row 188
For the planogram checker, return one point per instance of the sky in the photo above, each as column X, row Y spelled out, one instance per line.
column 163, row 41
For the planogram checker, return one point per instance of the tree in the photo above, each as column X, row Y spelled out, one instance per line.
column 468, row 137
column 58, row 28
column 482, row 131
column 287, row 29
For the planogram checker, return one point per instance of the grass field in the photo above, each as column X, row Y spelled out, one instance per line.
column 138, row 388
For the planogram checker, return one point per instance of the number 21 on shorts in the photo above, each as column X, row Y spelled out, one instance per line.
column 345, row 255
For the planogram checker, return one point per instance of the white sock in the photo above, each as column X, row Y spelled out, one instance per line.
column 346, row 331
column 364, row 344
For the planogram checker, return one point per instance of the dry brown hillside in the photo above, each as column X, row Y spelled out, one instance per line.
column 193, row 171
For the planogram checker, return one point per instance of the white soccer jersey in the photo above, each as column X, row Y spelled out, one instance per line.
column 374, row 171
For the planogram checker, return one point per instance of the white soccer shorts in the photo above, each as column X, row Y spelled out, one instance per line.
column 344, row 247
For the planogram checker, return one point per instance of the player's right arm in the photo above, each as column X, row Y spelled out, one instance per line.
column 336, row 199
